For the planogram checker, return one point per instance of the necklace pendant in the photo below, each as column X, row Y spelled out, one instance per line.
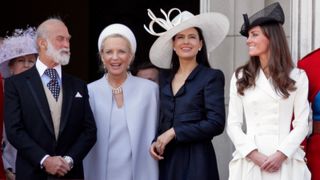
column 117, row 90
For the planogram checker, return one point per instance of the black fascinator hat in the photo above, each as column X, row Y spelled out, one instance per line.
column 270, row 14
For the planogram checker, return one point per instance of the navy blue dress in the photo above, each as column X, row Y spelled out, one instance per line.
column 197, row 114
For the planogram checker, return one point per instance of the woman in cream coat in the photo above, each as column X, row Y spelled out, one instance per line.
column 126, row 113
column 272, row 96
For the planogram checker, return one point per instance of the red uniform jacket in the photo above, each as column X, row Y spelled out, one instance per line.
column 311, row 64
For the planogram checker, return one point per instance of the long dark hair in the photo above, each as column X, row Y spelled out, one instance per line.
column 280, row 64
column 202, row 57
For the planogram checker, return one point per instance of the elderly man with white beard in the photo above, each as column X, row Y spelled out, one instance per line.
column 47, row 113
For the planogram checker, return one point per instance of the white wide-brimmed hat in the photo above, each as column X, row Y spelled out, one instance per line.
column 121, row 30
column 214, row 26
column 21, row 43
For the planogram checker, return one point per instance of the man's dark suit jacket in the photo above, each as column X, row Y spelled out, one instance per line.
column 29, row 125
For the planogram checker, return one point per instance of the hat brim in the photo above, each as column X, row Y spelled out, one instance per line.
column 4, row 67
column 214, row 26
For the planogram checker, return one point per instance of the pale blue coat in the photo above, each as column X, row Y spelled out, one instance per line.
column 141, row 109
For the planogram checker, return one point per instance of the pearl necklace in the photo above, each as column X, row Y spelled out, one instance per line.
column 116, row 90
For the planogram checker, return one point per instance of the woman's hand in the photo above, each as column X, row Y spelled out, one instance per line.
column 257, row 158
column 274, row 162
column 154, row 153
column 158, row 147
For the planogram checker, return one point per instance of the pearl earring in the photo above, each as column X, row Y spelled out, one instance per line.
column 104, row 68
column 174, row 49
column 199, row 49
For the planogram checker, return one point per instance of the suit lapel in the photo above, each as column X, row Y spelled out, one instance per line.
column 167, row 87
column 66, row 102
column 36, row 87
column 265, row 85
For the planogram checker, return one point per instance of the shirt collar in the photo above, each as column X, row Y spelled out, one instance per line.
column 41, row 67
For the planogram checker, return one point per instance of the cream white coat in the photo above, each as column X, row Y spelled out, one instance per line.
column 268, row 118
column 141, row 110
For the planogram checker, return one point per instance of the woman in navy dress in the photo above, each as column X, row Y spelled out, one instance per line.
column 191, row 95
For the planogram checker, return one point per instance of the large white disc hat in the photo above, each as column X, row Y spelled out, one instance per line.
column 214, row 27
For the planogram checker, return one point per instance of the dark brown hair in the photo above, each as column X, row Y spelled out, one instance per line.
column 280, row 64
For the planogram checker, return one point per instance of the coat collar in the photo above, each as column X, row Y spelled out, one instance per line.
column 167, row 88
column 35, row 85
column 68, row 95
column 265, row 85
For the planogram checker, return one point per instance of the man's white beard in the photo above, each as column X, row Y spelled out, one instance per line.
column 60, row 56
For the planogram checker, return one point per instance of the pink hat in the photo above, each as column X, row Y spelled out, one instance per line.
column 21, row 43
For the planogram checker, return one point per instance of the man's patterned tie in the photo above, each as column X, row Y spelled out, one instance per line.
column 53, row 84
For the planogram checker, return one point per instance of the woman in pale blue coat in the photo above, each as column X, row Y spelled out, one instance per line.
column 126, row 112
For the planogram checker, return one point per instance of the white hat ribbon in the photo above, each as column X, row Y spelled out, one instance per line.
column 166, row 23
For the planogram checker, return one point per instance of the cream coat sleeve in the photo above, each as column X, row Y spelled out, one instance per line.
column 243, row 143
column 300, row 122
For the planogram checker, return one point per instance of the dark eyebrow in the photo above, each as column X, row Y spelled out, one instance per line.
column 254, row 31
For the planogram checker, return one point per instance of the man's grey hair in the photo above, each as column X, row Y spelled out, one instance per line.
column 42, row 30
